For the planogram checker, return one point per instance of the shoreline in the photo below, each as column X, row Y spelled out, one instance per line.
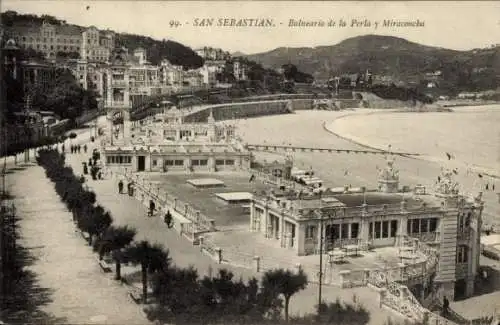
column 330, row 128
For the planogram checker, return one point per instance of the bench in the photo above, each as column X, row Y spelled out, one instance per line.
column 105, row 265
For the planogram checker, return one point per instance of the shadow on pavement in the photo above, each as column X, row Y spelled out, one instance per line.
column 23, row 297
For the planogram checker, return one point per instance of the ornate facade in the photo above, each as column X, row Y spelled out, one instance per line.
column 445, row 220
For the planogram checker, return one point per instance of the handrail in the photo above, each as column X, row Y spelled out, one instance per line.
column 200, row 221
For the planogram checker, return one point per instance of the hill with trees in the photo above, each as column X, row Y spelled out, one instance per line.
column 392, row 56
column 157, row 50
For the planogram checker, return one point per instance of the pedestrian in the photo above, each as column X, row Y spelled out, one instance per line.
column 99, row 175
column 168, row 219
column 493, row 187
column 90, row 161
column 120, row 186
column 85, row 148
column 62, row 148
column 79, row 148
column 151, row 208
column 487, row 186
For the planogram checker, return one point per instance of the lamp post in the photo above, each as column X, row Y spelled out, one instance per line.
column 320, row 275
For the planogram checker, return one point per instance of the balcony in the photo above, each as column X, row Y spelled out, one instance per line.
column 428, row 237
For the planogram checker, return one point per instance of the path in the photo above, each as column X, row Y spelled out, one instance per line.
column 82, row 293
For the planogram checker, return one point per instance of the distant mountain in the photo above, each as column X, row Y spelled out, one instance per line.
column 391, row 56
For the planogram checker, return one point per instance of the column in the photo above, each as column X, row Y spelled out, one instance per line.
column 282, row 227
column 264, row 220
column 252, row 216
column 402, row 229
column 364, row 231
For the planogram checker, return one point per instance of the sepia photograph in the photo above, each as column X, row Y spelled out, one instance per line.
column 249, row 162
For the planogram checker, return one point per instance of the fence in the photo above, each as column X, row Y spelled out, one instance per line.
column 146, row 191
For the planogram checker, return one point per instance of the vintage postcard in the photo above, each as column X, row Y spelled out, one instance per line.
column 246, row 162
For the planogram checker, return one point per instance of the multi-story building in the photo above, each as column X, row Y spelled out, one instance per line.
column 97, row 45
column 240, row 70
column 213, row 54
column 144, row 78
column 47, row 38
column 193, row 78
column 209, row 74
column 446, row 220
column 171, row 75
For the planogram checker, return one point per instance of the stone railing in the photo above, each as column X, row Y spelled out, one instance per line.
column 146, row 191
column 398, row 297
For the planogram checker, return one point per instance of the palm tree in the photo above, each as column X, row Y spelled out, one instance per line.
column 113, row 241
column 283, row 282
column 95, row 221
column 152, row 258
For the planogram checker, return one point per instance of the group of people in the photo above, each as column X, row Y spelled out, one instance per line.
column 75, row 148
column 78, row 148
column 152, row 205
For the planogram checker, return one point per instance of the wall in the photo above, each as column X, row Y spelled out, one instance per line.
column 241, row 110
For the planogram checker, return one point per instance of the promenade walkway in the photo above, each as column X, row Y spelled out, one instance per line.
column 81, row 293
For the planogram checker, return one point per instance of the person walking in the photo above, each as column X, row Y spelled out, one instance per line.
column 168, row 219
column 446, row 306
column 120, row 186
column 85, row 148
column 151, row 208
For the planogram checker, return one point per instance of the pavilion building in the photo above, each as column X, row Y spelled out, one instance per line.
column 445, row 220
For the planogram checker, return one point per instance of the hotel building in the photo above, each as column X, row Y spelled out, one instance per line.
column 445, row 220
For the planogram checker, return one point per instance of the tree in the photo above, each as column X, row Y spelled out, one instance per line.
column 113, row 240
column 287, row 283
column 95, row 222
column 151, row 258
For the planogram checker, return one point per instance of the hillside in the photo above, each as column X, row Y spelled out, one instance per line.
column 176, row 53
column 391, row 56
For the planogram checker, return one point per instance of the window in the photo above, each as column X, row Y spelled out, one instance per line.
column 378, row 225
column 370, row 230
column 462, row 254
column 179, row 162
column 203, row 162
column 155, row 162
column 433, row 225
column 344, row 228
column 424, row 223
column 354, row 230
column 219, row 162
column 385, row 229
column 169, row 162
column 310, row 232
column 195, row 162
column 230, row 162
column 394, row 228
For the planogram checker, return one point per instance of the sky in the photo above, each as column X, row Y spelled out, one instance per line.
column 456, row 25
